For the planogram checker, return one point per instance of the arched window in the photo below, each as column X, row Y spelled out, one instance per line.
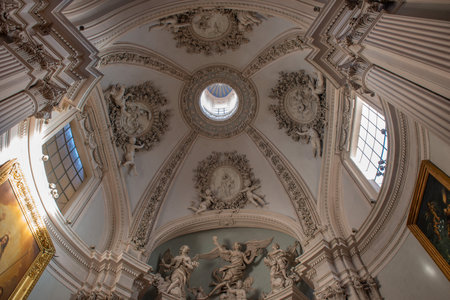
column 369, row 152
column 63, row 167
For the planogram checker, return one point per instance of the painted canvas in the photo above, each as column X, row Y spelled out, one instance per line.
column 25, row 247
column 429, row 218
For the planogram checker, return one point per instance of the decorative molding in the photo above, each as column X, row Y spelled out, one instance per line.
column 227, row 218
column 134, row 55
column 301, row 108
column 355, row 68
column 287, row 44
column 191, row 111
column 334, row 291
column 346, row 105
column 228, row 182
column 135, row 112
column 92, row 140
column 210, row 31
column 156, row 192
column 296, row 190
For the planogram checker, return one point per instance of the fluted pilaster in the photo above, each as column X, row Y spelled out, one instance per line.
column 426, row 107
column 15, row 109
column 415, row 48
column 13, row 74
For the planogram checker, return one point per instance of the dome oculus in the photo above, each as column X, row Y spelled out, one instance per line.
column 219, row 102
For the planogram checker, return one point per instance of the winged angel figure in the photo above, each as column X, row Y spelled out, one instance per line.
column 227, row 277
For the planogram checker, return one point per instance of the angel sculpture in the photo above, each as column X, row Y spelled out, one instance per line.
column 254, row 198
column 280, row 261
column 229, row 275
column 182, row 267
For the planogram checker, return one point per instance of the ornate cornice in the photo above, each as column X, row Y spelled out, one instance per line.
column 289, row 43
column 296, row 189
column 154, row 195
column 226, row 218
column 136, row 55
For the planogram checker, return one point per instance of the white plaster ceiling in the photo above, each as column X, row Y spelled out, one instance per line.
column 182, row 191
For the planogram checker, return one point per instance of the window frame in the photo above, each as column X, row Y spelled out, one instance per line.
column 75, row 204
column 368, row 187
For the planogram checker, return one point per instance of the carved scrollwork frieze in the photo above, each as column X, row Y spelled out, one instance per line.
column 210, row 31
column 151, row 60
column 290, row 182
column 289, row 44
column 301, row 108
column 158, row 190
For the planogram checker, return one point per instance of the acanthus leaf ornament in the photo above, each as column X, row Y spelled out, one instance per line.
column 210, row 31
column 301, row 108
column 225, row 180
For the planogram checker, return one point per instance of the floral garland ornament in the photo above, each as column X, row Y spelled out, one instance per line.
column 210, row 31
column 301, row 108
column 225, row 180
column 137, row 120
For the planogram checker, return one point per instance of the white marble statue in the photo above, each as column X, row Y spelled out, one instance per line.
column 251, row 195
column 280, row 262
column 182, row 267
column 230, row 274
column 130, row 151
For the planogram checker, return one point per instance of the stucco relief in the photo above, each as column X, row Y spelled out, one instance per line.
column 136, row 112
column 210, row 31
column 301, row 108
column 225, row 180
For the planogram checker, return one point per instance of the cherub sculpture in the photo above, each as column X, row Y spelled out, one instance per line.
column 116, row 94
column 280, row 262
column 207, row 200
column 229, row 275
column 182, row 267
column 251, row 195
column 130, row 151
column 314, row 140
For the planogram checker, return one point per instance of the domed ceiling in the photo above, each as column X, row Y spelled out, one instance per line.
column 156, row 66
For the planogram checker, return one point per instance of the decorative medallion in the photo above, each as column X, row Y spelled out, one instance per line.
column 135, row 113
column 225, row 180
column 210, row 31
column 301, row 108
column 211, row 124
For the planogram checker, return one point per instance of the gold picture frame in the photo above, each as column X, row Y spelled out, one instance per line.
column 429, row 214
column 25, row 245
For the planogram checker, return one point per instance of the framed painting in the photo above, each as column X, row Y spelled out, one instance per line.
column 25, row 245
column 429, row 216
